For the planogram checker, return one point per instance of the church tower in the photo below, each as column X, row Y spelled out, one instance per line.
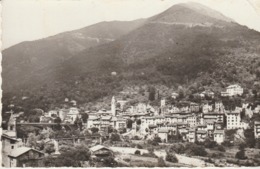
column 113, row 106
column 12, row 124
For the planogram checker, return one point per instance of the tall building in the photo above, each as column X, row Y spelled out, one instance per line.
column 113, row 106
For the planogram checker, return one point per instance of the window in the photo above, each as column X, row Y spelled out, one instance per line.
column 12, row 147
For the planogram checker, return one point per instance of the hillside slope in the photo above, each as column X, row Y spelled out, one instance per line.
column 181, row 46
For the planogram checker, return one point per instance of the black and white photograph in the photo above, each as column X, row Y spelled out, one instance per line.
column 130, row 83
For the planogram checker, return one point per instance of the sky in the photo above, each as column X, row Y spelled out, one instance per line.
column 27, row 20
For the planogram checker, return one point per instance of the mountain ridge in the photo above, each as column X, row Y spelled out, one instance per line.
column 151, row 53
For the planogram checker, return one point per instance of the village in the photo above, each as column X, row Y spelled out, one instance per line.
column 188, row 134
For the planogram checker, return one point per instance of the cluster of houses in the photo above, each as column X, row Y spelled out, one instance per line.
column 195, row 122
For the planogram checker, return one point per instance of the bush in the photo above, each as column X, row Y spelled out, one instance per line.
column 136, row 138
column 137, row 152
column 177, row 148
column 139, row 146
column 241, row 155
column 210, row 144
column 161, row 162
column 221, row 148
column 152, row 142
column 171, row 157
column 195, row 150
column 227, row 144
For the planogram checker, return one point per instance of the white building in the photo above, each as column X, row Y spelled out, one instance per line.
column 257, row 129
column 72, row 115
column 219, row 136
column 163, row 134
column 234, row 121
column 113, row 106
column 234, row 90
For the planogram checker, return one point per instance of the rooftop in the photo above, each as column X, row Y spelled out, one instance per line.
column 98, row 147
column 163, row 131
column 219, row 132
column 21, row 150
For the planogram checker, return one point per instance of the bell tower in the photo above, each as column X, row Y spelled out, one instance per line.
column 113, row 106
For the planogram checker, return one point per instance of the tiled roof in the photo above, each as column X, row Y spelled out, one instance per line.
column 163, row 131
column 106, row 117
column 98, row 147
column 201, row 132
column 21, row 150
column 219, row 132
column 152, row 125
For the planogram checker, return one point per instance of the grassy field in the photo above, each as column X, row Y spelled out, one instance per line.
column 140, row 161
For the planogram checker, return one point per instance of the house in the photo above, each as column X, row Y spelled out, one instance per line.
column 194, row 107
column 72, row 115
column 219, row 107
column 163, row 134
column 120, row 123
column 219, row 136
column 224, row 94
column 192, row 120
column 25, row 157
column 202, row 127
column 63, row 113
column 192, row 135
column 207, row 93
column 201, row 135
column 9, row 143
column 234, row 90
column 44, row 119
column 174, row 95
column 257, row 129
column 207, row 108
column 100, row 152
column 93, row 121
column 234, row 121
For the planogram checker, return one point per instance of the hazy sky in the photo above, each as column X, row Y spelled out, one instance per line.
column 25, row 20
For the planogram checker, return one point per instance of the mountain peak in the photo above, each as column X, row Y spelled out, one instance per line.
column 192, row 13
column 207, row 11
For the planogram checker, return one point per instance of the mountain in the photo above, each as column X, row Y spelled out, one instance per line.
column 28, row 58
column 188, row 44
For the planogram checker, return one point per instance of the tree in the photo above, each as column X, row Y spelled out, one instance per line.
column 221, row 148
column 157, row 139
column 137, row 152
column 49, row 148
column 171, row 157
column 84, row 117
column 152, row 92
column 138, row 122
column 242, row 146
column 115, row 137
column 31, row 142
column 241, row 155
column 57, row 120
column 94, row 130
column 177, row 148
column 161, row 162
column 129, row 123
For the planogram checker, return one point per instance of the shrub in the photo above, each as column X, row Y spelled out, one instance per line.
column 171, row 157
column 139, row 146
column 241, row 155
column 195, row 150
column 221, row 148
column 137, row 152
column 210, row 144
column 161, row 162
column 177, row 148
column 227, row 144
